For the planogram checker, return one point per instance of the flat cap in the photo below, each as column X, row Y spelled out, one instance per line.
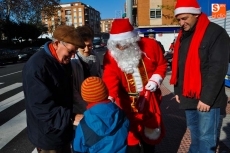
column 68, row 34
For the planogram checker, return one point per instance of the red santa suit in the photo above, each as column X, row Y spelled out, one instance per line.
column 122, row 88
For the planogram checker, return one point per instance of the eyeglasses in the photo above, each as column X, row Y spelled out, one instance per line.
column 69, row 50
column 87, row 48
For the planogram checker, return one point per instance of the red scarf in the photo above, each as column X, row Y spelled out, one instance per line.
column 53, row 52
column 192, row 74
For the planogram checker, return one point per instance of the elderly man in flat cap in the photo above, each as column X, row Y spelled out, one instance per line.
column 47, row 85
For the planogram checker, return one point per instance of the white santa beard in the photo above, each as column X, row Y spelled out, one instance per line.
column 127, row 59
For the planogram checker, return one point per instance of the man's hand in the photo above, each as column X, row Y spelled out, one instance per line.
column 77, row 119
column 203, row 107
column 177, row 98
column 151, row 86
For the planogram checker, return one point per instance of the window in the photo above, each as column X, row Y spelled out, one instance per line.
column 69, row 23
column 134, row 2
column 67, row 19
column 155, row 13
column 67, row 12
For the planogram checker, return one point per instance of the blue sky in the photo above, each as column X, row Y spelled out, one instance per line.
column 107, row 8
column 110, row 8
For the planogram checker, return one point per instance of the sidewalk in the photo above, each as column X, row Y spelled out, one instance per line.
column 177, row 139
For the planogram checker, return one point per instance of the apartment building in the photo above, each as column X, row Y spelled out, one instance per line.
column 154, row 12
column 157, row 17
column 106, row 25
column 75, row 14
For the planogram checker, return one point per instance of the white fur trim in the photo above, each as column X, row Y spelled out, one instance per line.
column 137, row 78
column 111, row 98
column 122, row 36
column 192, row 10
column 157, row 78
column 152, row 134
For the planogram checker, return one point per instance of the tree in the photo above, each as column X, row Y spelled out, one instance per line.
column 48, row 9
column 23, row 30
column 34, row 31
column 25, row 14
column 57, row 21
column 28, row 11
column 168, row 11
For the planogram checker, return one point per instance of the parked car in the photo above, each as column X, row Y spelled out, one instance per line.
column 227, row 77
column 169, row 56
column 105, row 37
column 98, row 43
column 26, row 53
column 8, row 55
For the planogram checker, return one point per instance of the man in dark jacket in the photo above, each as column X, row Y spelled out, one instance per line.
column 84, row 64
column 200, row 63
column 47, row 85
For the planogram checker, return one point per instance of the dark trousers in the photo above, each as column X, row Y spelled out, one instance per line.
column 142, row 148
column 65, row 149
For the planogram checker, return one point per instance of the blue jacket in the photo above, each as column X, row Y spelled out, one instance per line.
column 103, row 129
column 47, row 87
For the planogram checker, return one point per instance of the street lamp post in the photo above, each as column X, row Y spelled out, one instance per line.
column 118, row 14
column 129, row 9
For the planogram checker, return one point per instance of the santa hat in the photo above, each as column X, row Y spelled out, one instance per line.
column 122, row 29
column 93, row 90
column 187, row 6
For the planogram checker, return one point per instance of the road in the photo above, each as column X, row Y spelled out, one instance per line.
column 13, row 136
column 100, row 52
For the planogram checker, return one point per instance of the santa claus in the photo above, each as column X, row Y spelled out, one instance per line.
column 134, row 68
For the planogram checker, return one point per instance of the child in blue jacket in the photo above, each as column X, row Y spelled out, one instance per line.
column 104, row 127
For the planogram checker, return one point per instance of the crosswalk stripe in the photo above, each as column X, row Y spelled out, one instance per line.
column 11, row 128
column 10, row 87
column 10, row 74
column 35, row 151
column 11, row 101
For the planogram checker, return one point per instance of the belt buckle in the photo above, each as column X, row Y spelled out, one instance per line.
column 134, row 97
